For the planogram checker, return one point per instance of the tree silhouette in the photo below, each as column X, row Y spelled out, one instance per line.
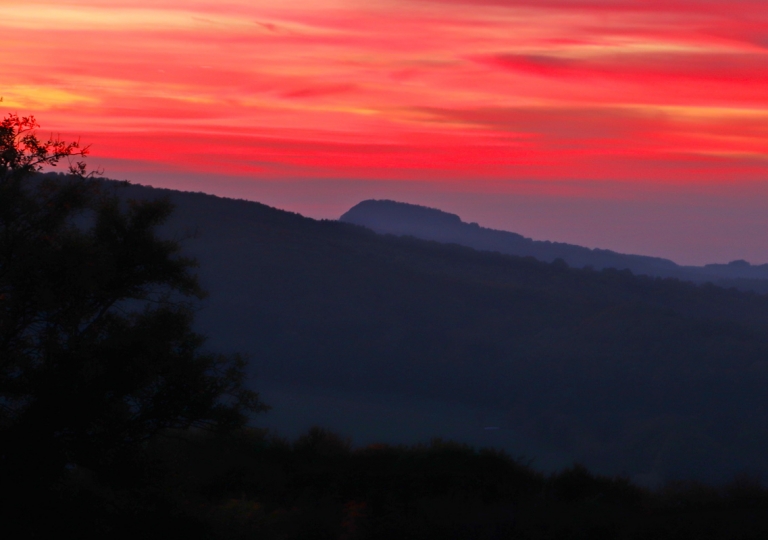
column 97, row 352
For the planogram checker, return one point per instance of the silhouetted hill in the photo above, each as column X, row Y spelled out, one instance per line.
column 393, row 339
column 402, row 219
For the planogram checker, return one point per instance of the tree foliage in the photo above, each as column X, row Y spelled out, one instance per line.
column 97, row 351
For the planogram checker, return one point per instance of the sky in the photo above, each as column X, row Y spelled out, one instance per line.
column 634, row 125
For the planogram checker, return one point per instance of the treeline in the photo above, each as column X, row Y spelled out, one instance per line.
column 249, row 484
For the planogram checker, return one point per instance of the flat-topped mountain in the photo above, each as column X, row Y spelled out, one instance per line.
column 402, row 219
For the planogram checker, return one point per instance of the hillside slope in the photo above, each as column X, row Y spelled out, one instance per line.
column 399, row 339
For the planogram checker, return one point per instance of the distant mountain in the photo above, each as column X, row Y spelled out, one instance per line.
column 398, row 340
column 402, row 219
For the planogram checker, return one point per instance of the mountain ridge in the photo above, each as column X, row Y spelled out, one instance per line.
column 404, row 219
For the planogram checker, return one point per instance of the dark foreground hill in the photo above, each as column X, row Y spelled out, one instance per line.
column 243, row 485
column 401, row 219
column 398, row 340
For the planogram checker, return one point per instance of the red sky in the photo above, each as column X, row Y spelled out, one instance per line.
column 636, row 125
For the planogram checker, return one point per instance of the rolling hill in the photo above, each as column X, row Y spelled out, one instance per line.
column 397, row 339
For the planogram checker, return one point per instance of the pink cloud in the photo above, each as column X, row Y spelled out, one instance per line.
column 452, row 89
column 319, row 91
column 741, row 69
